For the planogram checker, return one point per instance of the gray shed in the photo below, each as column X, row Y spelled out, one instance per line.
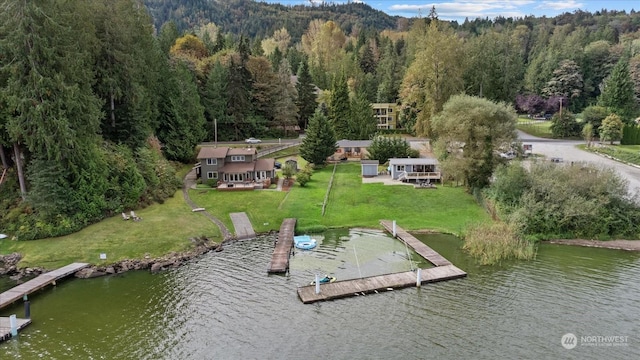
column 369, row 168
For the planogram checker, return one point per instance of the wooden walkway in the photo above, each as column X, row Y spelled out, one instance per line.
column 280, row 258
column 442, row 271
column 375, row 284
column 242, row 225
column 418, row 246
column 5, row 327
column 16, row 293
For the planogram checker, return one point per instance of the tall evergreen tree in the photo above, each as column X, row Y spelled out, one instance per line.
column 285, row 109
column 362, row 123
column 339, row 111
column 54, row 112
column 215, row 99
column 184, row 128
column 239, row 90
column 320, row 140
column 618, row 92
column 306, row 100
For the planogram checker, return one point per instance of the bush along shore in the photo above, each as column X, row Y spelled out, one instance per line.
column 8, row 263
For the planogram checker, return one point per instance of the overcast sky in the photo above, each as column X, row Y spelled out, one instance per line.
column 461, row 9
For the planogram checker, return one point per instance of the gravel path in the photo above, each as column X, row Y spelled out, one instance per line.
column 188, row 182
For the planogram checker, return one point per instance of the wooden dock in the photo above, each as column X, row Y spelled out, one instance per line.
column 442, row 271
column 16, row 293
column 418, row 246
column 5, row 327
column 280, row 258
column 375, row 284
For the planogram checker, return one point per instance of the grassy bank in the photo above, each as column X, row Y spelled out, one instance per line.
column 164, row 228
column 351, row 204
column 625, row 153
column 168, row 227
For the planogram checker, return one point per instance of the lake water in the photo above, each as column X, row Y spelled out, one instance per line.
column 225, row 306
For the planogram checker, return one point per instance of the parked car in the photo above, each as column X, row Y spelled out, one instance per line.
column 278, row 165
column 253, row 141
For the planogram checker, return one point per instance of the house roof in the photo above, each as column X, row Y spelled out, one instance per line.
column 208, row 152
column 242, row 151
column 413, row 161
column 370, row 162
column 265, row 164
column 354, row 143
column 237, row 167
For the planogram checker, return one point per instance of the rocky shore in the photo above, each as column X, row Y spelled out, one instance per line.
column 8, row 263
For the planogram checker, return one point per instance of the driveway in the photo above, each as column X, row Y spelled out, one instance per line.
column 567, row 150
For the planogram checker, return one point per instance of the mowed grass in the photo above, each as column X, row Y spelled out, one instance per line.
column 351, row 204
column 539, row 128
column 164, row 228
column 169, row 227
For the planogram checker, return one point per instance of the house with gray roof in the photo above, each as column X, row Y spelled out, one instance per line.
column 228, row 166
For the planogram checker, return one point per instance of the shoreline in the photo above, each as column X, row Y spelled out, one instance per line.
column 170, row 260
column 627, row 245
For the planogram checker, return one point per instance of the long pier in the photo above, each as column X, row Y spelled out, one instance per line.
column 18, row 292
column 442, row 271
column 280, row 257
column 418, row 246
column 10, row 296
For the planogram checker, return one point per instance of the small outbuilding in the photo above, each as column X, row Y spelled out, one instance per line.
column 369, row 168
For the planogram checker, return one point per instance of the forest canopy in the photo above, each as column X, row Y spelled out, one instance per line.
column 97, row 99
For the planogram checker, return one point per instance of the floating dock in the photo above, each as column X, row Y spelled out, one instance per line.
column 10, row 296
column 21, row 291
column 5, row 327
column 280, row 257
column 418, row 246
column 442, row 271
column 376, row 284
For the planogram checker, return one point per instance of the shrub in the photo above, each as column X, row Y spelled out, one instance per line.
column 493, row 243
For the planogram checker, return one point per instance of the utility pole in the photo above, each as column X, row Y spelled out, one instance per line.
column 215, row 132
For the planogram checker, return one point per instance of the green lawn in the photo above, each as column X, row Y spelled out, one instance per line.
column 170, row 226
column 535, row 127
column 351, row 204
column 164, row 228
column 626, row 153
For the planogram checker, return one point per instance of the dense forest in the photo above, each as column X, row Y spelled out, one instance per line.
column 97, row 99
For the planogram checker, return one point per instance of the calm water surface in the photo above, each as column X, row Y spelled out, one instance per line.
column 225, row 306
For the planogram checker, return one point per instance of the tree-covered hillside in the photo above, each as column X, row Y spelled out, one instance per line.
column 94, row 99
column 259, row 20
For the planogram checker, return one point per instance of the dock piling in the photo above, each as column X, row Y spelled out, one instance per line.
column 13, row 324
column 418, row 277
column 394, row 228
column 27, row 309
column 317, row 284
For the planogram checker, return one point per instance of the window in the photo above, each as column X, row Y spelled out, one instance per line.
column 212, row 161
column 399, row 167
column 390, row 110
column 212, row 175
column 237, row 158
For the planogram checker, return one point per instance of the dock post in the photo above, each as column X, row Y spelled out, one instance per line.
column 317, row 284
column 419, row 278
column 27, row 309
column 394, row 228
column 13, row 323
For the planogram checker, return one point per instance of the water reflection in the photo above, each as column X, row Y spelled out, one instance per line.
column 225, row 306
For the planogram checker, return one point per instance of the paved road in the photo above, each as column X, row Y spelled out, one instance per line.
column 567, row 150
